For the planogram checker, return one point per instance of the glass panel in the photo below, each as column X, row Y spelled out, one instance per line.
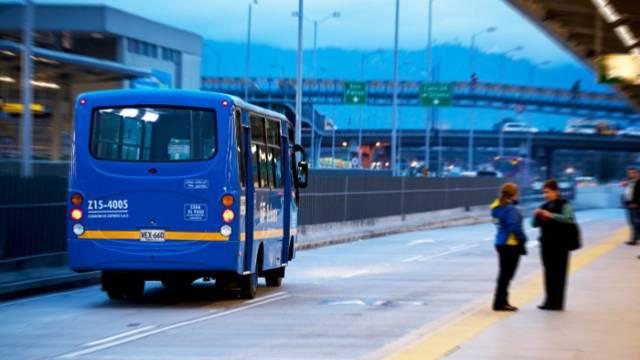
column 156, row 134
column 273, row 133
column 257, row 129
column 239, row 152
column 264, row 167
column 277, row 167
column 256, row 166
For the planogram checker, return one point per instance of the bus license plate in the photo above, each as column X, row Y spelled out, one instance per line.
column 152, row 235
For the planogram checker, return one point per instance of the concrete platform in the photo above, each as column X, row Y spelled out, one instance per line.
column 601, row 319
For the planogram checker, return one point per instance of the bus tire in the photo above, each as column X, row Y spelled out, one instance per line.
column 249, row 285
column 274, row 277
column 119, row 287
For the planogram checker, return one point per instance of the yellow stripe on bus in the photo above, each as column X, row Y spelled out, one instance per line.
column 266, row 234
column 169, row 235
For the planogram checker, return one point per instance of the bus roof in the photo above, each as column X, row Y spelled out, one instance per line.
column 181, row 94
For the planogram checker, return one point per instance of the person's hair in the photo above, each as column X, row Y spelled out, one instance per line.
column 508, row 191
column 632, row 168
column 551, row 184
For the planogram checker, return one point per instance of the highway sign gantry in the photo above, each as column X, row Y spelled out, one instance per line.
column 435, row 94
column 355, row 93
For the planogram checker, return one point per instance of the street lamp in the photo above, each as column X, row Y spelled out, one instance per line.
column 533, row 68
column 363, row 62
column 503, row 59
column 429, row 111
column 26, row 125
column 298, row 134
column 316, row 23
column 472, row 67
column 394, row 114
column 247, row 66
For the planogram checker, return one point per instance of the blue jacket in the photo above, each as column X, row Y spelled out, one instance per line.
column 508, row 220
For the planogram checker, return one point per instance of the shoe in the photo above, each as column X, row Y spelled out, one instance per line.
column 550, row 308
column 632, row 242
column 506, row 307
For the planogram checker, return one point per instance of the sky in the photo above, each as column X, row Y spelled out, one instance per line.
column 362, row 25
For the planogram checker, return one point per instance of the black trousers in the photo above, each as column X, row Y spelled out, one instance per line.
column 509, row 257
column 633, row 215
column 555, row 260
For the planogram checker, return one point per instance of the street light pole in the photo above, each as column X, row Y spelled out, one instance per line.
column 472, row 111
column 298, row 135
column 247, row 65
column 503, row 59
column 394, row 113
column 429, row 112
column 26, row 125
column 363, row 63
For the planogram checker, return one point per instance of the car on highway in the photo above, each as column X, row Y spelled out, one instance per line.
column 591, row 127
column 519, row 127
column 586, row 181
column 630, row 131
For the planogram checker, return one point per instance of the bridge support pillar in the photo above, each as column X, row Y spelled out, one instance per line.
column 548, row 162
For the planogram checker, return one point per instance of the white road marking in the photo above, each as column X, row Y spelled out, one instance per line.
column 169, row 327
column 455, row 250
column 413, row 258
column 424, row 241
column 118, row 336
column 354, row 274
column 261, row 298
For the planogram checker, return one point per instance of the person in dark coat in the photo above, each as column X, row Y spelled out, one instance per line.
column 509, row 243
column 554, row 250
column 631, row 199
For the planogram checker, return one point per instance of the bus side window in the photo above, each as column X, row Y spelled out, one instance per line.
column 275, row 161
column 259, row 152
column 241, row 167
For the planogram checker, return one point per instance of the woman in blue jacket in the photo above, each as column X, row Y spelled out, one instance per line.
column 510, row 242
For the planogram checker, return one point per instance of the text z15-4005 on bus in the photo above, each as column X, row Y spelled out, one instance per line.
column 177, row 185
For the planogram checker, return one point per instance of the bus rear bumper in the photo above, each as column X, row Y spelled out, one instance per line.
column 118, row 255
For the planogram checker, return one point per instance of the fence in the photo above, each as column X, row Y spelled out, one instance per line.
column 33, row 211
column 331, row 198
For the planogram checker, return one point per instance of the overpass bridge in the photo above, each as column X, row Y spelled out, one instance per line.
column 543, row 145
column 464, row 94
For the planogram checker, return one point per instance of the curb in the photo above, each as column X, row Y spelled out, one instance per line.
column 403, row 228
column 48, row 284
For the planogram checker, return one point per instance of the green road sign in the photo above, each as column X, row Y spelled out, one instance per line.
column 355, row 93
column 435, row 94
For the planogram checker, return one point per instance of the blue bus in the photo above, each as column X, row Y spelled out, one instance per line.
column 180, row 185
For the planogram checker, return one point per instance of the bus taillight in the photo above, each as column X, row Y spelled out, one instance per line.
column 76, row 214
column 228, row 215
column 227, row 200
column 76, row 199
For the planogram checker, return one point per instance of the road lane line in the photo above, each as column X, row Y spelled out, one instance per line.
column 263, row 298
column 424, row 241
column 169, row 327
column 451, row 251
column 445, row 339
column 354, row 274
column 118, row 336
column 413, row 258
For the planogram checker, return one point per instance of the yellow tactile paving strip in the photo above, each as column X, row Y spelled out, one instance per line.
column 450, row 336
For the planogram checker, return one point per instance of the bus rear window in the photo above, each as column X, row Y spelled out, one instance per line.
column 154, row 134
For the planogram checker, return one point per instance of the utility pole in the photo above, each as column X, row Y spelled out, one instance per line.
column 394, row 125
column 26, row 125
column 429, row 112
column 298, row 135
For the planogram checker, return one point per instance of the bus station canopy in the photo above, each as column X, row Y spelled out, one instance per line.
column 590, row 29
column 51, row 65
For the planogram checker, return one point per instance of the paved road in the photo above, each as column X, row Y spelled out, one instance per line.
column 339, row 302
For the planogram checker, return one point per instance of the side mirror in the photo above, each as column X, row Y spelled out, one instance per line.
column 301, row 177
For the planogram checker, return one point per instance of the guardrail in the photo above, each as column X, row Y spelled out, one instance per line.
column 33, row 211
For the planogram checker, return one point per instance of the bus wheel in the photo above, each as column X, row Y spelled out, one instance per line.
column 249, row 285
column 119, row 287
column 274, row 277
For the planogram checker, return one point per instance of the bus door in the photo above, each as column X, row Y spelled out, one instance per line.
column 246, row 186
column 268, row 183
